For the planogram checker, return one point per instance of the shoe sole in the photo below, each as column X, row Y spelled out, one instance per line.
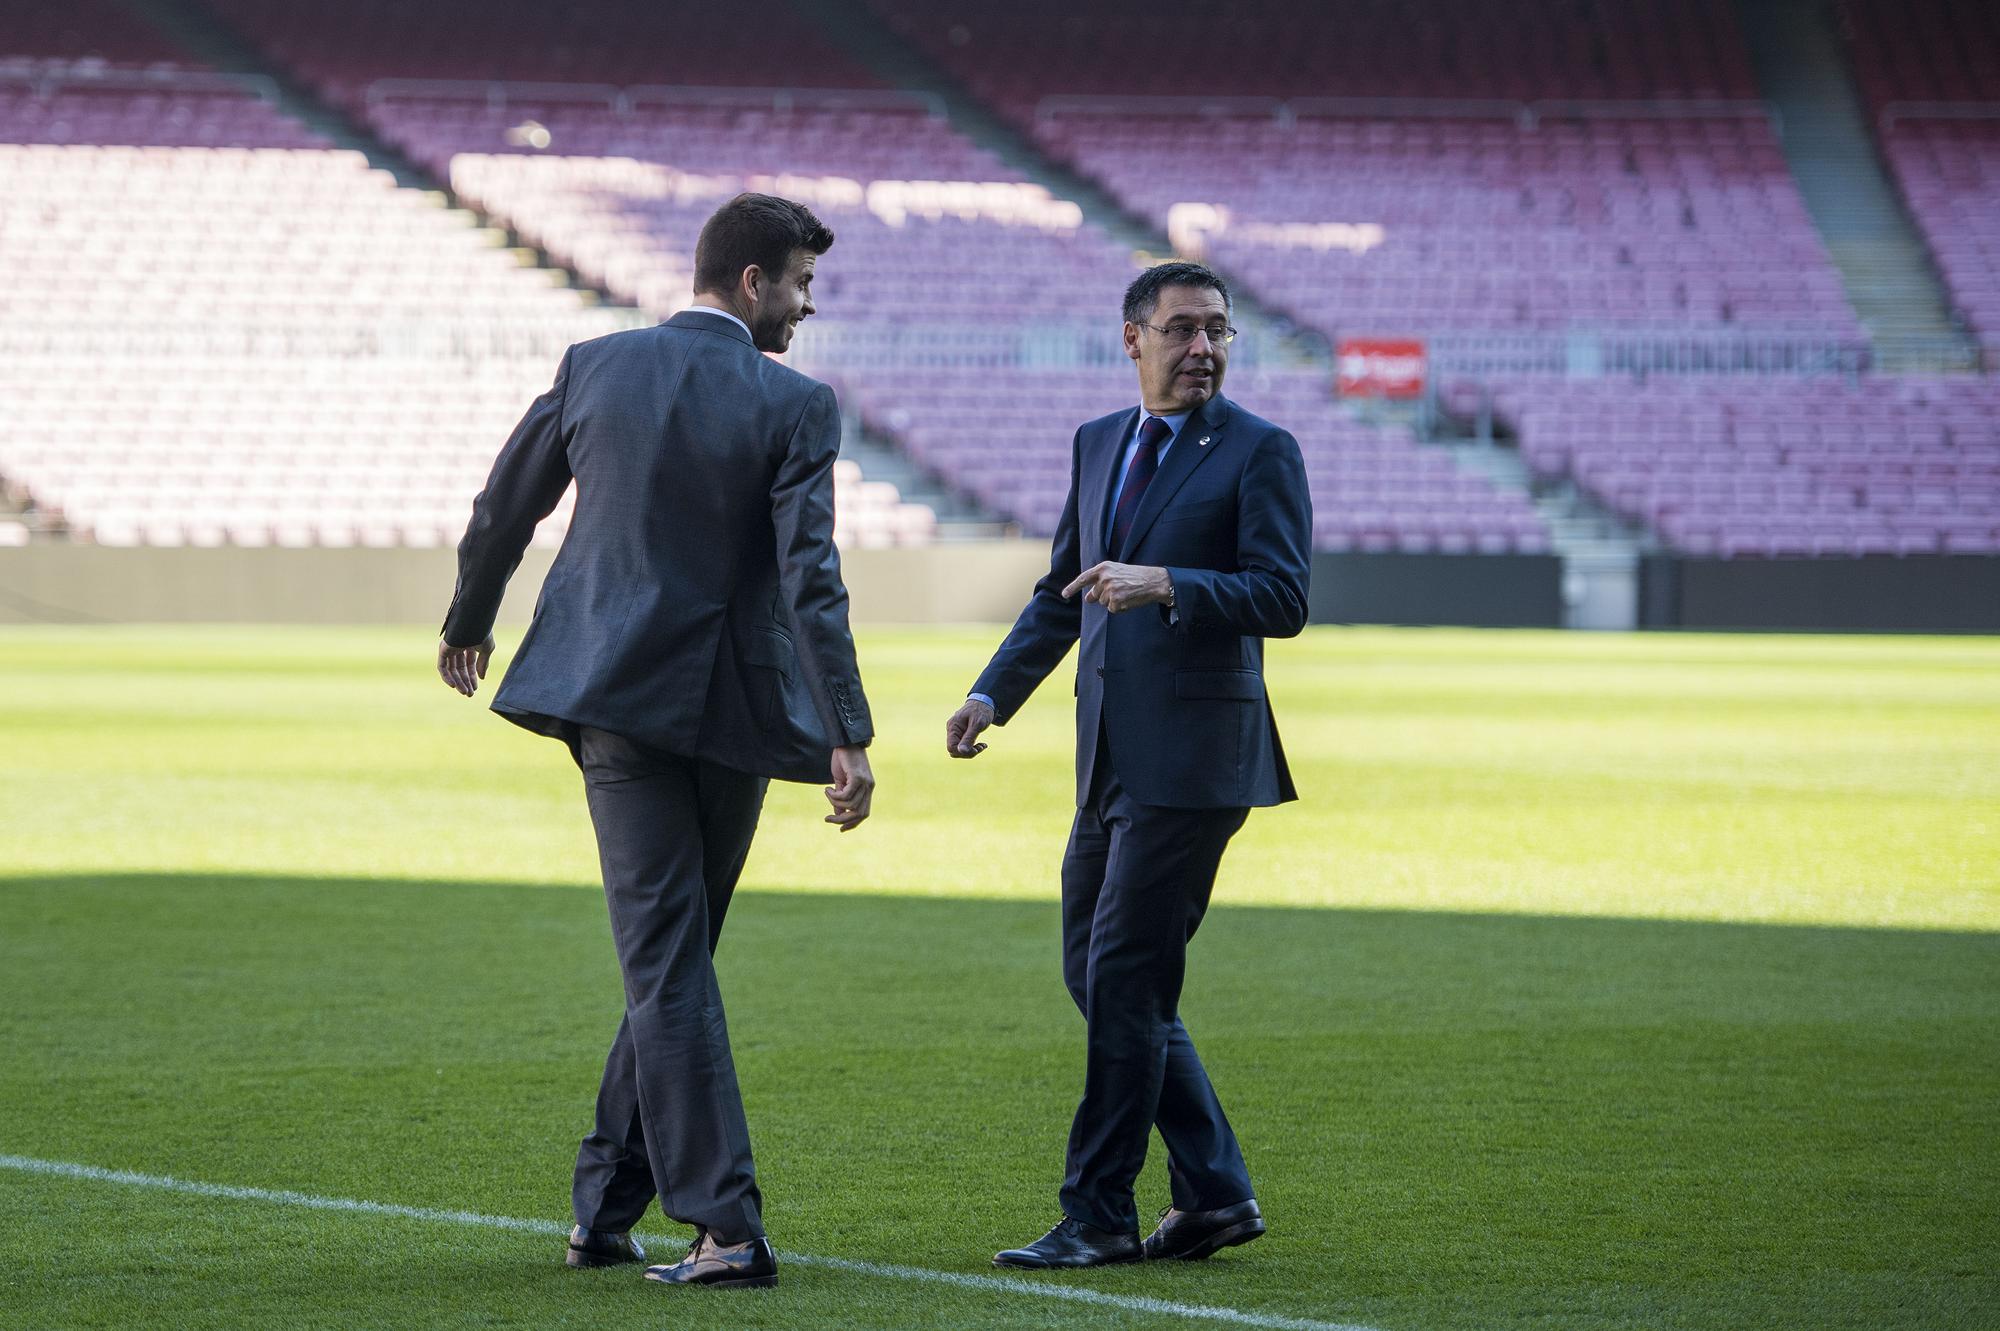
column 743, row 1282
column 584, row 1261
column 1232, row 1237
column 1069, row 1266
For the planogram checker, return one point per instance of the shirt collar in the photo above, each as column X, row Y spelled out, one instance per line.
column 725, row 314
column 1174, row 422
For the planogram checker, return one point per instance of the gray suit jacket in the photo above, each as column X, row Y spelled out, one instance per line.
column 696, row 604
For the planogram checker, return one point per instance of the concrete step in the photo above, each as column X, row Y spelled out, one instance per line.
column 1600, row 552
column 881, row 460
column 1802, row 68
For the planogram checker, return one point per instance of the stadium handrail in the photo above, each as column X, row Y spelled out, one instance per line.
column 1047, row 343
column 1589, row 353
column 1893, row 111
column 785, row 99
column 47, row 78
column 496, row 93
column 359, row 338
column 1287, row 112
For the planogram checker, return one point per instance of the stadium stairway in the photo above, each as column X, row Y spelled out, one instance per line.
column 1891, row 279
column 959, row 517
column 861, row 34
column 1599, row 549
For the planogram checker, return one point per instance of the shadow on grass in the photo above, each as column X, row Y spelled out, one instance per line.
column 1454, row 1119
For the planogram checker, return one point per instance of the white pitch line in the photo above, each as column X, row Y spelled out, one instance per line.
column 998, row 1284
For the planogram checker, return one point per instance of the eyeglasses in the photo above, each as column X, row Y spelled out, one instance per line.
column 1178, row 334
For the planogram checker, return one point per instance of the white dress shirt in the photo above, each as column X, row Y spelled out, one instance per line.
column 725, row 314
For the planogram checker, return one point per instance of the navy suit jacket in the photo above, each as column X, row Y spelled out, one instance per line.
column 1179, row 695
column 696, row 604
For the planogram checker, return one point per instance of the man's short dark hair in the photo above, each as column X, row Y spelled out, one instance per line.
column 759, row 229
column 1144, row 294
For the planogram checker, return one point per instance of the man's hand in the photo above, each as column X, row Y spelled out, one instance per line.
column 853, row 787
column 1119, row 587
column 964, row 727
column 464, row 667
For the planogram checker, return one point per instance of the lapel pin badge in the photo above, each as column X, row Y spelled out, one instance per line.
column 1203, row 441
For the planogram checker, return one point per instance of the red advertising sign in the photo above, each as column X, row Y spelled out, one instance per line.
column 1380, row 367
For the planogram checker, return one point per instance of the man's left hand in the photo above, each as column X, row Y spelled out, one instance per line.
column 464, row 667
column 1119, row 587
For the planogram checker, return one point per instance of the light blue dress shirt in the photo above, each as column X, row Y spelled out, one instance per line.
column 1174, row 424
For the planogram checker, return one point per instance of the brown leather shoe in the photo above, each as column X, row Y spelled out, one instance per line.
column 1072, row 1244
column 1189, row 1236
column 751, row 1265
column 602, row 1247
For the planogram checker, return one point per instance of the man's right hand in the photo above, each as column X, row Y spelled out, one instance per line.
column 964, row 727
column 853, row 788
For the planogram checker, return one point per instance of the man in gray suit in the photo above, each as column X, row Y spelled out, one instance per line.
column 690, row 644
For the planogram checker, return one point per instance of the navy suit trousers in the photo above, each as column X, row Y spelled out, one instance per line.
column 1135, row 883
column 672, row 835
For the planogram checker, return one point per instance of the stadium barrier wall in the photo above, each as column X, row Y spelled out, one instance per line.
column 987, row 582
column 977, row 582
column 1870, row 593
column 85, row 584
column 1478, row 591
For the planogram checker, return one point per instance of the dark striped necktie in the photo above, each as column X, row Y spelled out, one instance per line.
column 1145, row 461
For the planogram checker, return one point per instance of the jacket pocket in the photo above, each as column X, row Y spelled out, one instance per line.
column 1232, row 685
column 770, row 658
column 771, row 650
column 1204, row 509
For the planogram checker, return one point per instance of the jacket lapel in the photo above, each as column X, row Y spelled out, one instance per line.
column 1199, row 437
column 1096, row 468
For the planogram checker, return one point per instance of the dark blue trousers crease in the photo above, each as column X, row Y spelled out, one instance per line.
column 672, row 835
column 1136, row 880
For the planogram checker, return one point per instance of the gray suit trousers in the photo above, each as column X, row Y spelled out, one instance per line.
column 672, row 835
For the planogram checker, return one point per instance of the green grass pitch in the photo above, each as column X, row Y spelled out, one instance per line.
column 1645, row 982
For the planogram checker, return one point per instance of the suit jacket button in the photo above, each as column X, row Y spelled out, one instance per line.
column 1100, row 672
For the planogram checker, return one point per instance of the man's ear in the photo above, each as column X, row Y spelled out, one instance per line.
column 751, row 284
column 1131, row 340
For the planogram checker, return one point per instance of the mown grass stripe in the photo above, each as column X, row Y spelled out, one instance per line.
column 354, row 1205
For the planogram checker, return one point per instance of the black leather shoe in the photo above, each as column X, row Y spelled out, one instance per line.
column 602, row 1247
column 1071, row 1244
column 1189, row 1236
column 751, row 1265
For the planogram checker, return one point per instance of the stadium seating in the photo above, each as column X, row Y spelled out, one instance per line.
column 946, row 258
column 341, row 49
column 97, row 33
column 1930, row 69
column 1546, row 211
column 1373, row 488
column 254, row 346
column 1874, row 465
column 257, row 346
column 991, row 255
column 1016, row 54
column 351, row 353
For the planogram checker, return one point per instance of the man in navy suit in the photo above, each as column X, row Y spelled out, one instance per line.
column 690, row 644
column 1185, row 542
